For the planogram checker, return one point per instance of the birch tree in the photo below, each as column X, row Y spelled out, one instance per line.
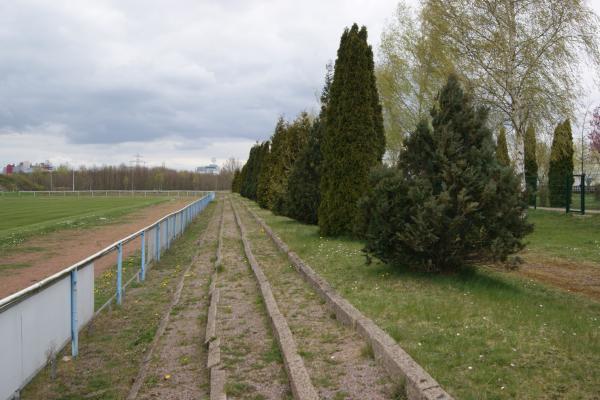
column 522, row 58
column 410, row 72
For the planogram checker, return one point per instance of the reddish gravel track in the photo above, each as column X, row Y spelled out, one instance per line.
column 58, row 250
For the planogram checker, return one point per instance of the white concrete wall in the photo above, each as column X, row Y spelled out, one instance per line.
column 39, row 325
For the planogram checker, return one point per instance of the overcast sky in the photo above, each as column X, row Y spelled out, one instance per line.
column 180, row 82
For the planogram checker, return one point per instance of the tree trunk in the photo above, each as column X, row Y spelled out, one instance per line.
column 520, row 157
column 518, row 114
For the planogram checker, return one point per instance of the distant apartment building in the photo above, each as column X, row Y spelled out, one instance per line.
column 9, row 169
column 43, row 166
column 26, row 167
column 212, row 169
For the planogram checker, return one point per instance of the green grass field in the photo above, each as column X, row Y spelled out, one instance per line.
column 571, row 237
column 482, row 334
column 22, row 217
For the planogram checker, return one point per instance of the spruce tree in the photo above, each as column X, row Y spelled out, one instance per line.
column 354, row 140
column 560, row 171
column 449, row 202
column 502, row 148
column 531, row 165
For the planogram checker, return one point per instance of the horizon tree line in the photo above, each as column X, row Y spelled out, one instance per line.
column 123, row 177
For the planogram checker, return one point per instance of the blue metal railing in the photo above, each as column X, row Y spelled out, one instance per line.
column 177, row 221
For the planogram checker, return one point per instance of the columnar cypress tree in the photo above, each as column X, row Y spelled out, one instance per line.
column 251, row 170
column 263, row 161
column 287, row 142
column 354, row 140
column 560, row 172
column 304, row 194
column 236, row 182
column 449, row 202
column 264, row 178
column 247, row 171
column 531, row 165
column 502, row 148
column 265, row 190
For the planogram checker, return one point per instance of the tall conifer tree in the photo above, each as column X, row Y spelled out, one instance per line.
column 286, row 144
column 251, row 170
column 502, row 148
column 236, row 181
column 560, row 172
column 531, row 165
column 304, row 194
column 262, row 188
column 354, row 140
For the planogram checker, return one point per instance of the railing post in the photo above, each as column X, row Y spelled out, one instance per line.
column 158, row 242
column 582, row 194
column 120, row 274
column 568, row 194
column 181, row 222
column 74, row 322
column 143, row 267
column 168, row 239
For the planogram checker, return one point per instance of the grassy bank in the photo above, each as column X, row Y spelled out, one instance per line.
column 482, row 334
column 111, row 351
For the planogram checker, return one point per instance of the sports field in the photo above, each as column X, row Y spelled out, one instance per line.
column 42, row 235
column 21, row 217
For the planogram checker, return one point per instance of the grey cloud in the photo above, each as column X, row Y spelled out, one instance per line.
column 112, row 71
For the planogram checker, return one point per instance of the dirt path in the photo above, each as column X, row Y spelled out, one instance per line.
column 573, row 276
column 339, row 362
column 177, row 368
column 249, row 354
column 40, row 257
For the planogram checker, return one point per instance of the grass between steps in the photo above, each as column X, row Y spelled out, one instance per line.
column 110, row 352
column 482, row 334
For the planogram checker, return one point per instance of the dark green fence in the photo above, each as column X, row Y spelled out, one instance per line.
column 577, row 195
